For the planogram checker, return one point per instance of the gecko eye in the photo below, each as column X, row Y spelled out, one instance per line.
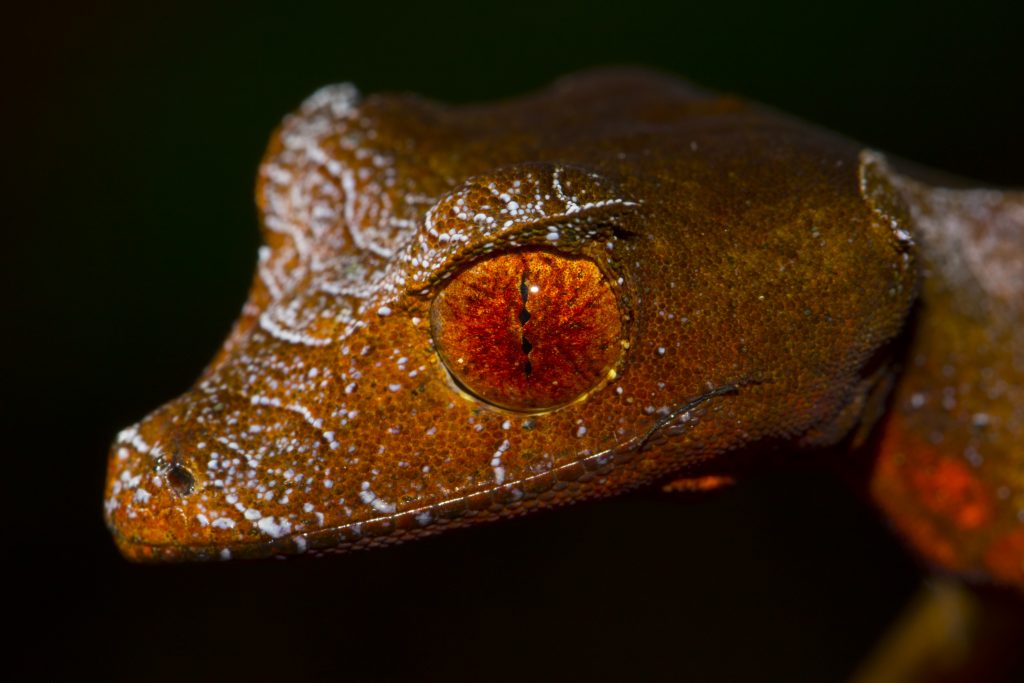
column 528, row 330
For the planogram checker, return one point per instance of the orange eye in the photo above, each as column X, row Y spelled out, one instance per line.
column 528, row 330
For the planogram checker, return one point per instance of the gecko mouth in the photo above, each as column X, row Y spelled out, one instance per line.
column 404, row 525
column 199, row 510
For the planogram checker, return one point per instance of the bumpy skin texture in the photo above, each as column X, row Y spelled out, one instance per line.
column 760, row 267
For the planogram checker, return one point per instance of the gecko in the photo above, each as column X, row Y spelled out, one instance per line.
column 466, row 313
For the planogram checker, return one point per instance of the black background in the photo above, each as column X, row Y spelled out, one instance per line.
column 132, row 138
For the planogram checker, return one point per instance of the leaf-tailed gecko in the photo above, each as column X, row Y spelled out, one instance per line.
column 467, row 313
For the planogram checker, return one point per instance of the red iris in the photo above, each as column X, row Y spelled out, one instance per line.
column 528, row 330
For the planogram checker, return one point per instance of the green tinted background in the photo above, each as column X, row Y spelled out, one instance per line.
column 134, row 135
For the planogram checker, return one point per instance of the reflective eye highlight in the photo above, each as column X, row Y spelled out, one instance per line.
column 528, row 330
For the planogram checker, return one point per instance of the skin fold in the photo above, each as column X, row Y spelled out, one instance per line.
column 682, row 283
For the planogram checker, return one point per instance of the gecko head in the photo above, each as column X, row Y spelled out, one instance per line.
column 369, row 396
column 426, row 347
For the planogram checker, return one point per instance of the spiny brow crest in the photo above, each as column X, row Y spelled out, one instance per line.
column 549, row 205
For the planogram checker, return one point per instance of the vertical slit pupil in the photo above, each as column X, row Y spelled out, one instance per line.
column 524, row 293
column 524, row 317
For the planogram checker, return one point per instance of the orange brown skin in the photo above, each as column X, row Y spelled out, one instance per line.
column 761, row 269
column 950, row 466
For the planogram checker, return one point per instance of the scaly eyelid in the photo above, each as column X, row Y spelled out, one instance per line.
column 556, row 206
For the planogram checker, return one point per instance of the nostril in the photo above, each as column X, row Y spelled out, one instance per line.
column 180, row 479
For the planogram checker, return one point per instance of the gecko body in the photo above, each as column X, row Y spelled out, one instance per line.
column 466, row 313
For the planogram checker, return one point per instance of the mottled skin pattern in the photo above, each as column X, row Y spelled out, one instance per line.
column 762, row 270
column 950, row 470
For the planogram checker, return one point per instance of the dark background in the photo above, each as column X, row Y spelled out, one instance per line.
column 129, row 237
